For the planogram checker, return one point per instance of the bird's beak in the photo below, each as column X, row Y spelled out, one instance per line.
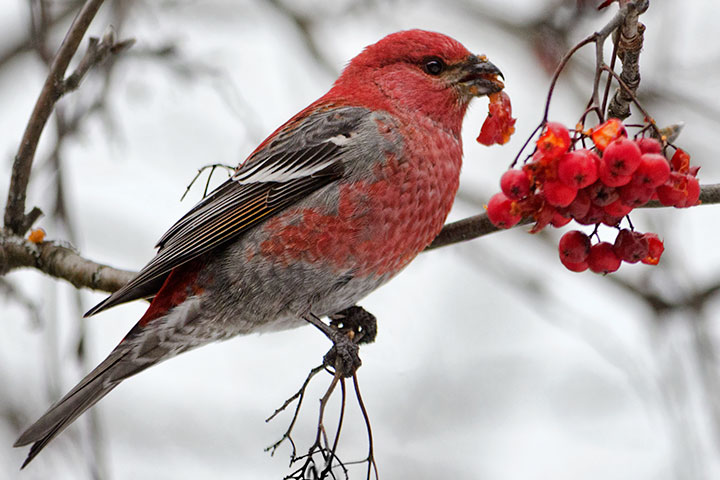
column 480, row 77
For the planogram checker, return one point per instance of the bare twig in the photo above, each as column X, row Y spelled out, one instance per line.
column 212, row 167
column 321, row 445
column 98, row 50
column 299, row 396
column 26, row 44
column 15, row 209
column 372, row 465
column 598, row 38
column 55, row 87
column 633, row 98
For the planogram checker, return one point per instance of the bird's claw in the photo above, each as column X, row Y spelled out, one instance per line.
column 357, row 322
column 347, row 330
column 343, row 357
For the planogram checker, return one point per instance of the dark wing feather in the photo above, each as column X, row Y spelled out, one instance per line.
column 284, row 171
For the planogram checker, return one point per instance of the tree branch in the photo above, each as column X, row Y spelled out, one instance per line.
column 61, row 262
column 629, row 47
column 479, row 225
column 52, row 90
column 65, row 263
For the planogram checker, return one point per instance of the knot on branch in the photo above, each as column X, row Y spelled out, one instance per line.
column 629, row 39
column 632, row 43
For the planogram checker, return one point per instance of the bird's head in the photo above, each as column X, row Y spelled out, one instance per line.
column 419, row 71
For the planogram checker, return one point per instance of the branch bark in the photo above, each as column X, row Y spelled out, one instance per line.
column 629, row 47
column 61, row 262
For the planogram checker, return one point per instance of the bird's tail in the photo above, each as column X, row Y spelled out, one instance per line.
column 163, row 332
column 87, row 393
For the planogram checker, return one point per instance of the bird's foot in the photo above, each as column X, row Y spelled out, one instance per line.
column 356, row 321
column 347, row 330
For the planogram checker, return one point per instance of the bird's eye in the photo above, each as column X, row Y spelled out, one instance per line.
column 433, row 66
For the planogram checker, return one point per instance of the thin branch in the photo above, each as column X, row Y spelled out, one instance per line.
column 371, row 445
column 299, row 396
column 479, row 225
column 598, row 38
column 52, row 90
column 633, row 98
column 26, row 44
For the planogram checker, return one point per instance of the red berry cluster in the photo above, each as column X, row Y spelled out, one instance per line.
column 595, row 185
column 578, row 254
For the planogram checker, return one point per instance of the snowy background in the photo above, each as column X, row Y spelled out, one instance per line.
column 492, row 361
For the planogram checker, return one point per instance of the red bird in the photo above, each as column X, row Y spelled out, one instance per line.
column 328, row 208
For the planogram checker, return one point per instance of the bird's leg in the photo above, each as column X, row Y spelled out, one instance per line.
column 348, row 328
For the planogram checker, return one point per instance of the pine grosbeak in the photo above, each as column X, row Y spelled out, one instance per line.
column 329, row 207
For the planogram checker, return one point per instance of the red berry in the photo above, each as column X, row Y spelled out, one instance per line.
column 649, row 145
column 653, row 170
column 515, row 184
column 610, row 178
column 559, row 194
column 610, row 220
column 635, row 195
column 554, row 141
column 559, row 220
column 575, row 267
column 594, row 215
column 692, row 191
column 499, row 124
column 674, row 192
column 680, row 161
column 500, row 211
column 655, row 249
column 601, row 194
column 578, row 168
column 617, row 209
column 606, row 132
column 574, row 246
column 631, row 246
column 622, row 156
column 602, row 258
column 579, row 207
column 543, row 216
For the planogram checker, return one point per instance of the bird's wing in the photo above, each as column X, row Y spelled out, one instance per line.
column 301, row 157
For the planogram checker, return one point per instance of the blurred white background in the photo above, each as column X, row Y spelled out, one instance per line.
column 492, row 361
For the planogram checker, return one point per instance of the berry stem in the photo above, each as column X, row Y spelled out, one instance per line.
column 608, row 84
column 637, row 103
